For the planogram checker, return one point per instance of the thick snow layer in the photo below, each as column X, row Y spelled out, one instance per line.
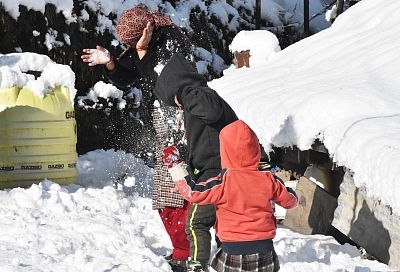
column 340, row 86
column 96, row 226
column 64, row 6
column 104, row 90
column 263, row 45
column 14, row 68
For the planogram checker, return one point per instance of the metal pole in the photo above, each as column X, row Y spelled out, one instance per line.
column 306, row 18
column 339, row 6
column 258, row 14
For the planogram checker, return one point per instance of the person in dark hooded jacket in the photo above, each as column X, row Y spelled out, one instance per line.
column 205, row 114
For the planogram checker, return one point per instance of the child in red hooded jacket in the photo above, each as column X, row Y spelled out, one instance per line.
column 243, row 196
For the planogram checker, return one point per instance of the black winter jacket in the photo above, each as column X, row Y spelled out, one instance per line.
column 130, row 70
column 205, row 113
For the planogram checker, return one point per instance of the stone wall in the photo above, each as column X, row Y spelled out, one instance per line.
column 367, row 222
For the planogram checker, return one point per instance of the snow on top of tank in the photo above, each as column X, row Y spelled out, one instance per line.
column 20, row 70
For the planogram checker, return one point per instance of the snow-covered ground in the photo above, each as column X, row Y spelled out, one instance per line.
column 340, row 86
column 98, row 227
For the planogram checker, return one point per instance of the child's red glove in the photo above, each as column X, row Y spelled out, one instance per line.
column 171, row 156
column 174, row 163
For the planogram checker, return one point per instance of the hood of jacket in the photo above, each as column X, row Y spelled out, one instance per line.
column 239, row 146
column 178, row 74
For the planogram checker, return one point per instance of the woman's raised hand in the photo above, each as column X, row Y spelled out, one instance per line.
column 96, row 56
column 144, row 41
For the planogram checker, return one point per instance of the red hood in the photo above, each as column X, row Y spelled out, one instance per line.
column 239, row 146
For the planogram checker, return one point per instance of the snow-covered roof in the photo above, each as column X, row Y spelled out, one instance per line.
column 340, row 86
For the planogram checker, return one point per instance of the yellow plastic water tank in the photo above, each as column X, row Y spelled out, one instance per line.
column 37, row 137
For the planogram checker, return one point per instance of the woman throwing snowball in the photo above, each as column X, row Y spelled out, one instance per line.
column 151, row 40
